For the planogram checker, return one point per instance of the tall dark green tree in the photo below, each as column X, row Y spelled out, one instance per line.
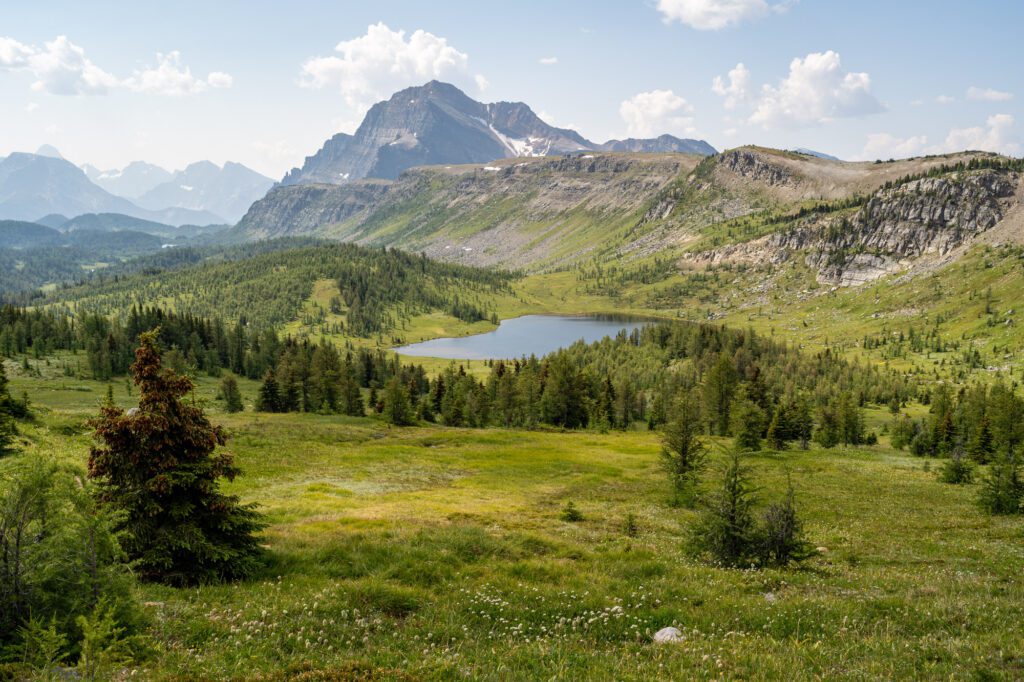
column 682, row 454
column 727, row 529
column 719, row 388
column 397, row 408
column 7, row 430
column 230, row 393
column 159, row 466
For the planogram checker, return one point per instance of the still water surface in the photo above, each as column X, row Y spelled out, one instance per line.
column 525, row 336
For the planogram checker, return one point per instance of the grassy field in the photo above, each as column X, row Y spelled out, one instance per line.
column 436, row 553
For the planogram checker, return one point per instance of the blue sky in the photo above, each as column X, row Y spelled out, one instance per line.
column 266, row 83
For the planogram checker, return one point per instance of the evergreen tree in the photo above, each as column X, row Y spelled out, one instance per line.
column 159, row 468
column 727, row 528
column 229, row 391
column 397, row 408
column 747, row 424
column 782, row 535
column 1002, row 490
column 719, row 387
column 682, row 454
column 7, row 429
column 269, row 399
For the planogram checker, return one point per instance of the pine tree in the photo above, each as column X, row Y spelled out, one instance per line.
column 397, row 408
column 1002, row 490
column 727, row 529
column 682, row 454
column 747, row 424
column 7, row 428
column 269, row 399
column 719, row 388
column 229, row 391
column 160, row 469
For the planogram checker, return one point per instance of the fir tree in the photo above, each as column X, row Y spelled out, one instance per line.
column 727, row 529
column 682, row 454
column 269, row 399
column 229, row 391
column 160, row 469
column 397, row 408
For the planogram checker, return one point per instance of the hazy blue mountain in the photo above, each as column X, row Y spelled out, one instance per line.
column 226, row 191
column 130, row 182
column 820, row 155
column 50, row 151
column 34, row 186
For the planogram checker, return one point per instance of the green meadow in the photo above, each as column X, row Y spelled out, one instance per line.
column 433, row 553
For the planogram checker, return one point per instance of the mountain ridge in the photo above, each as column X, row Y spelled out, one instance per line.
column 438, row 124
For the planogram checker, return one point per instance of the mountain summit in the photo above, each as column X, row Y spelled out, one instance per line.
column 438, row 124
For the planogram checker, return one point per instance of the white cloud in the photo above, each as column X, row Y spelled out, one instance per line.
column 712, row 15
column 738, row 88
column 945, row 99
column 817, row 90
column 995, row 136
column 31, row 107
column 886, row 146
column 373, row 66
column 548, row 61
column 61, row 68
column 481, row 82
column 656, row 112
column 170, row 78
column 988, row 94
column 219, row 79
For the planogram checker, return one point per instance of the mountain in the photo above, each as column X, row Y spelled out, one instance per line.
column 33, row 186
column 132, row 181
column 820, row 155
column 662, row 143
column 203, row 186
column 116, row 222
column 16, row 234
column 750, row 205
column 437, row 124
column 50, row 151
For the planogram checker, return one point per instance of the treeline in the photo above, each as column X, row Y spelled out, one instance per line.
column 380, row 287
column 981, row 421
column 614, row 383
column 194, row 344
column 993, row 162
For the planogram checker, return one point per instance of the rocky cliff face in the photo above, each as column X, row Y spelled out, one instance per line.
column 925, row 219
column 309, row 209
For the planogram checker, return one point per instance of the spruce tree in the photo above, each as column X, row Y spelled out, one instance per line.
column 7, row 430
column 269, row 399
column 160, row 469
column 682, row 454
column 1002, row 490
column 232, row 396
column 727, row 529
column 747, row 424
column 397, row 407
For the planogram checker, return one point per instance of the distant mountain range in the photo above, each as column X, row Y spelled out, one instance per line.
column 226, row 191
column 438, row 124
column 42, row 184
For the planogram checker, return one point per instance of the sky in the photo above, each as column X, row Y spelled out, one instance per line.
column 265, row 83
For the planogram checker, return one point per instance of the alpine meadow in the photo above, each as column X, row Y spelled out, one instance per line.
column 328, row 359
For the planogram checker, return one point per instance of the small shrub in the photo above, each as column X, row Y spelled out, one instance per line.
column 570, row 513
column 1002, row 489
column 783, row 539
column 957, row 470
column 631, row 528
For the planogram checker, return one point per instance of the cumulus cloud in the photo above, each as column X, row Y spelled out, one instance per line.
column 988, row 94
column 817, row 90
column 713, row 15
column 945, row 99
column 886, row 146
column 169, row 77
column 737, row 90
column 373, row 66
column 548, row 61
column 997, row 135
column 61, row 68
column 647, row 114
